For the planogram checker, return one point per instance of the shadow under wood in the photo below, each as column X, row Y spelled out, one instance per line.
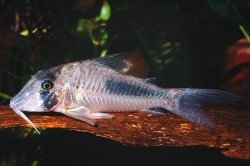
column 61, row 147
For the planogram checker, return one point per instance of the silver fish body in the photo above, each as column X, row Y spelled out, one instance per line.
column 104, row 90
column 91, row 89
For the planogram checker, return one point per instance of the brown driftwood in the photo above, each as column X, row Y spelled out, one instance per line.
column 232, row 129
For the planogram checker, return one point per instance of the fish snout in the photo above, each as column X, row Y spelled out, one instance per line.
column 11, row 104
column 14, row 102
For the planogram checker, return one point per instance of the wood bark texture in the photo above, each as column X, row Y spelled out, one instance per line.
column 231, row 135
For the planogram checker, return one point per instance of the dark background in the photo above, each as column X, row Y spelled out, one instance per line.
column 183, row 44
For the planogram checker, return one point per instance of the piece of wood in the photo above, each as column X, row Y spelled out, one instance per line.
column 232, row 129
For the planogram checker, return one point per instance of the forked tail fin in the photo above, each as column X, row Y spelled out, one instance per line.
column 188, row 104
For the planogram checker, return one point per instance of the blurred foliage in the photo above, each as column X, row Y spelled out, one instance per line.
column 236, row 10
column 229, row 8
column 41, row 34
column 37, row 35
column 181, row 42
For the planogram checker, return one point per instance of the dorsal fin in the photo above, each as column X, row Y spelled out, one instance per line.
column 151, row 80
column 115, row 61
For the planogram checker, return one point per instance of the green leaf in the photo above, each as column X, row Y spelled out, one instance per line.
column 245, row 32
column 104, row 53
column 24, row 33
column 5, row 96
column 80, row 25
column 105, row 11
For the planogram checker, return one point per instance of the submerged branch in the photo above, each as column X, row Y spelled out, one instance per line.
column 232, row 129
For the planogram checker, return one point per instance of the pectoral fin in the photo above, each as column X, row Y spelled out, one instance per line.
column 84, row 114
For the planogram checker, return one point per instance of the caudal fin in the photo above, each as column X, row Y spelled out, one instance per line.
column 188, row 103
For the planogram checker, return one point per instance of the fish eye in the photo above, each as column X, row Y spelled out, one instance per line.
column 47, row 84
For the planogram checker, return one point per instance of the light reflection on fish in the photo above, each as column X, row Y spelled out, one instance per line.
column 92, row 89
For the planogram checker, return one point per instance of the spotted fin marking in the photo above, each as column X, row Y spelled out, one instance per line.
column 115, row 61
column 189, row 105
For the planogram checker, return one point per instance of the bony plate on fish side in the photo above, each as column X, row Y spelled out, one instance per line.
column 231, row 134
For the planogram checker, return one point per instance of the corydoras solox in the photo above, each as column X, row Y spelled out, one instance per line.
column 92, row 89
